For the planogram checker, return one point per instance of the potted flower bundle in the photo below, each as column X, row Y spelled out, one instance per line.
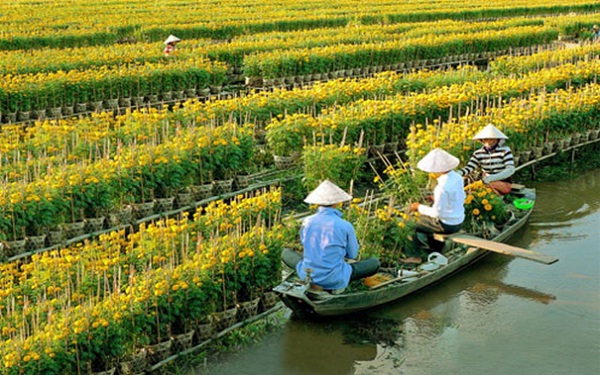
column 340, row 164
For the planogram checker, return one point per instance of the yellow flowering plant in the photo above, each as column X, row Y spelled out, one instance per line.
column 382, row 231
column 340, row 164
column 483, row 207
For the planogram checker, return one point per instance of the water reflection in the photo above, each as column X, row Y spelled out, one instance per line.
column 327, row 347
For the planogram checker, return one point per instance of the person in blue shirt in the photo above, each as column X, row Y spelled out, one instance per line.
column 328, row 240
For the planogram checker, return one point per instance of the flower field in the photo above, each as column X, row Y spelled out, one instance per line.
column 97, row 124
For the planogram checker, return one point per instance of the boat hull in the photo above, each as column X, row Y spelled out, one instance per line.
column 305, row 303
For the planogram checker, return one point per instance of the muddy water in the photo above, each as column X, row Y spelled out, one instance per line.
column 501, row 316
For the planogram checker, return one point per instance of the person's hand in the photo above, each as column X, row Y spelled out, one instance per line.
column 486, row 180
column 429, row 198
column 414, row 206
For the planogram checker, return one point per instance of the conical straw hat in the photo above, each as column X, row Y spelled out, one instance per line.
column 172, row 39
column 438, row 161
column 327, row 194
column 490, row 132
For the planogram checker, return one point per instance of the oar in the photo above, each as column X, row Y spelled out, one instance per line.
column 502, row 248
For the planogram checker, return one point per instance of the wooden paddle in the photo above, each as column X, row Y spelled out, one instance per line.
column 502, row 248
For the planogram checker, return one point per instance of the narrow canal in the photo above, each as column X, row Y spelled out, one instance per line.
column 501, row 316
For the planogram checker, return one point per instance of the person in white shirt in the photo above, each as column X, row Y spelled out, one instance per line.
column 447, row 212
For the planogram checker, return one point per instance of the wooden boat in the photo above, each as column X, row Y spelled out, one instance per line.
column 304, row 301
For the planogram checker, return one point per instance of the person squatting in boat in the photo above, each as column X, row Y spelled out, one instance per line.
column 328, row 240
column 447, row 212
column 494, row 158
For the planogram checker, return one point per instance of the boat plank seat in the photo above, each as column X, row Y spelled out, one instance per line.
column 442, row 237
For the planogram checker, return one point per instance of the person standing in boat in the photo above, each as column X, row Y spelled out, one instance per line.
column 447, row 212
column 328, row 240
column 494, row 158
column 170, row 43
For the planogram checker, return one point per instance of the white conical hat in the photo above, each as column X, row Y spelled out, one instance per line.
column 172, row 39
column 327, row 194
column 438, row 161
column 490, row 132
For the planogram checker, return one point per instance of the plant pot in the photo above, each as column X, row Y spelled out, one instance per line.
column 243, row 181
column 247, row 309
column 516, row 160
column 183, row 341
column 16, row 247
column 164, row 204
column 184, row 199
column 202, row 191
column 537, row 152
column 166, row 96
column 153, row 98
column 268, row 300
column 190, row 93
column 284, row 162
column 36, row 242
column 160, row 351
column 95, row 224
column 205, row 92
column 136, row 364
column 55, row 236
column 223, row 186
column 40, row 114
column 56, row 112
column 138, row 100
column 81, row 107
column 24, row 116
column 575, row 139
column 10, row 117
column 594, row 134
column 204, row 330
column 390, row 146
column 68, row 111
column 225, row 319
column 215, row 89
column 97, row 105
column 548, row 148
column 179, row 94
column 141, row 210
column 75, row 229
column 112, row 103
column 125, row 102
column 376, row 150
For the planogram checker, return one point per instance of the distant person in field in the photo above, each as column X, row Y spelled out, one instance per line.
column 596, row 34
column 170, row 43
column 494, row 159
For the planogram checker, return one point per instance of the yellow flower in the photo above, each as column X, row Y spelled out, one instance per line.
column 476, row 212
column 488, row 207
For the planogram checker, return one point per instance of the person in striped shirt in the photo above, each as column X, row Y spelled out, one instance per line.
column 495, row 160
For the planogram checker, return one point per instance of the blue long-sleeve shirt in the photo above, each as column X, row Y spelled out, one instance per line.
column 327, row 239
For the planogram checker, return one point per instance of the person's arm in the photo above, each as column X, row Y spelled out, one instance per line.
column 509, row 169
column 352, row 246
column 439, row 200
column 470, row 167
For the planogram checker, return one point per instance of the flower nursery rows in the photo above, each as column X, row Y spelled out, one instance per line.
column 64, row 171
column 137, row 20
column 128, row 299
column 60, row 82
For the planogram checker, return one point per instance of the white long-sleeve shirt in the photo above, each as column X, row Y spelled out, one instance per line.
column 448, row 200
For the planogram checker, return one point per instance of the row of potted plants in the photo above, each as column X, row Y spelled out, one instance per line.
column 169, row 279
column 114, row 26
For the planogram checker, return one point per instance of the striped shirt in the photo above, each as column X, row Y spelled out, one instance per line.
column 496, row 164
